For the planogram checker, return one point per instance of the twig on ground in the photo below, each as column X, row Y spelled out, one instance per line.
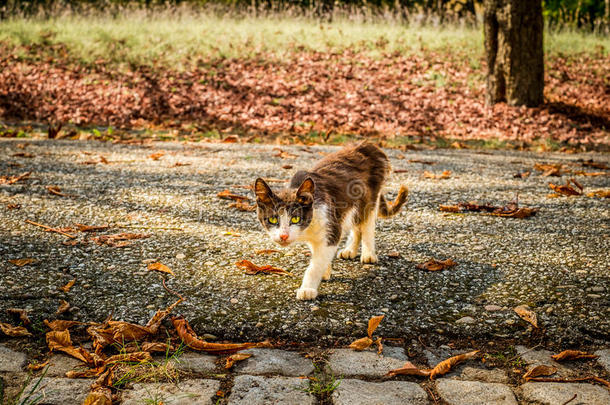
column 570, row 400
column 48, row 228
column 172, row 228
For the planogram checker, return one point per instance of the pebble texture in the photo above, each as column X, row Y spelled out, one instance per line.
column 256, row 390
column 474, row 393
column 195, row 392
column 347, row 362
column 60, row 391
column 10, row 360
column 560, row 393
column 549, row 259
column 357, row 392
column 272, row 361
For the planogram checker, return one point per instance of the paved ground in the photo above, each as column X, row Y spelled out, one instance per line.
column 273, row 376
column 557, row 262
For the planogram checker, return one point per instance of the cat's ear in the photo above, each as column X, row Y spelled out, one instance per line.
column 263, row 191
column 305, row 192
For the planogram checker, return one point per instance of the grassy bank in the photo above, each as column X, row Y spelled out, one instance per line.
column 175, row 40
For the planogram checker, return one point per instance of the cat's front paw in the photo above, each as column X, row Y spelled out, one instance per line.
column 347, row 253
column 369, row 258
column 306, row 293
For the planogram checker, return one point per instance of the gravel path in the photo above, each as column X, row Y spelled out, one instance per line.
column 556, row 262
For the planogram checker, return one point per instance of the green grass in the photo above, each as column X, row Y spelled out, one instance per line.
column 178, row 39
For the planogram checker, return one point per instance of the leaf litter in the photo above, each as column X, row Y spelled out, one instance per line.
column 366, row 342
column 436, row 265
column 441, row 368
column 510, row 210
column 252, row 269
column 160, row 267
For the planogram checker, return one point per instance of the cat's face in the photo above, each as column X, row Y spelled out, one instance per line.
column 287, row 213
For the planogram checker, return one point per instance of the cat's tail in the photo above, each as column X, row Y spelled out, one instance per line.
column 387, row 209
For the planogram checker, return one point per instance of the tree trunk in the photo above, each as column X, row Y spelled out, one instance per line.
column 514, row 53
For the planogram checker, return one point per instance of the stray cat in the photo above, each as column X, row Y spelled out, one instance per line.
column 341, row 193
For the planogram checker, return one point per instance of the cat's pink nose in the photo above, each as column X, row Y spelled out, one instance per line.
column 284, row 237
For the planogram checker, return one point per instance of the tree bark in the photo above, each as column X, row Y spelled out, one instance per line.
column 514, row 51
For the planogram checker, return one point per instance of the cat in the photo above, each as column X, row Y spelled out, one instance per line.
column 340, row 194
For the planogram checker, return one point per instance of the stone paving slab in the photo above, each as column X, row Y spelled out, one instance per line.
column 61, row 391
column 257, row 390
column 187, row 392
column 358, row 392
column 604, row 359
column 197, row 363
column 273, row 361
column 10, row 360
column 560, row 393
column 60, row 364
column 347, row 362
column 456, row 392
column 542, row 357
column 495, row 375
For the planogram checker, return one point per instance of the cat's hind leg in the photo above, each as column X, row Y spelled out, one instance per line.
column 367, row 230
column 351, row 245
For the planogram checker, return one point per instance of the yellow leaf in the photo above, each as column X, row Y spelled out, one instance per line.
column 361, row 344
column 15, row 331
column 540, row 370
column 22, row 262
column 373, row 324
column 527, row 314
column 445, row 366
column 234, row 358
column 69, row 285
column 573, row 355
column 160, row 267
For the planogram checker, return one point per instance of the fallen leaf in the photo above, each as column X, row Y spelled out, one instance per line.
column 549, row 169
column 511, row 210
column 266, row 251
column 61, row 341
column 155, row 347
column 89, row 373
column 119, row 239
column 23, row 155
column 522, row 175
column 13, row 206
column 436, row 265
column 394, row 254
column 423, row 162
column 160, row 267
column 445, row 366
column 156, row 156
column 379, row 346
column 567, row 189
column 573, row 355
column 22, row 313
column 179, row 164
column 361, row 344
column 437, row 176
column 539, row 370
column 373, row 324
column 231, row 139
column 228, row 195
column 55, row 190
column 409, row 369
column 14, row 179
column 595, row 165
column 242, row 206
column 100, row 393
column 251, row 268
column 234, row 358
column 134, row 357
column 527, row 315
column 599, row 193
column 91, row 228
column 14, row 331
column 517, row 213
column 22, row 262
column 589, row 174
column 69, row 285
column 189, row 337
column 63, row 307
column 287, row 167
column 284, row 154
column 37, row 366
column 60, row 325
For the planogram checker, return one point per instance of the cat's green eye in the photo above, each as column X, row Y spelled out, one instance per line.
column 295, row 220
column 272, row 220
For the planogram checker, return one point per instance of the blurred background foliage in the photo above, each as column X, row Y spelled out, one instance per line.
column 589, row 15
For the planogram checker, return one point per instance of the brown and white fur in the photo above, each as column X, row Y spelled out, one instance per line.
column 340, row 194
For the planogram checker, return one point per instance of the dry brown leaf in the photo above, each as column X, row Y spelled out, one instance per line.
column 361, row 344
column 589, row 174
column 14, row 331
column 189, row 337
column 423, row 162
column 522, row 175
column 101, row 394
column 242, row 206
column 133, row 357
column 266, row 251
column 539, row 370
column 549, row 169
column 518, row 213
column 437, row 176
column 287, row 167
column 284, row 154
column 228, row 195
column 21, row 313
column 527, row 314
column 445, row 366
column 155, row 347
column 63, row 307
column 567, row 189
column 436, row 265
column 89, row 373
column 394, row 254
column 37, row 366
column 409, row 369
column 55, row 190
column 160, row 267
column 68, row 286
column 252, row 268
column 60, row 325
column 91, row 228
column 373, row 324
column 234, row 358
column 595, row 165
column 23, row 155
column 599, row 193
column 119, row 239
column 379, row 344
column 511, row 210
column 60, row 341
column 22, row 262
column 573, row 355
column 156, row 156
